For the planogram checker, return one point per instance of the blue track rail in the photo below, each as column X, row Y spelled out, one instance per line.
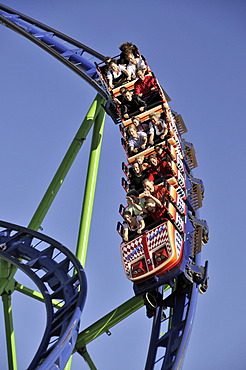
column 59, row 276
column 75, row 55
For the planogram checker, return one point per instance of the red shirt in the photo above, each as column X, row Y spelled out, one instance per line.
column 159, row 192
column 158, row 213
column 144, row 87
column 158, row 171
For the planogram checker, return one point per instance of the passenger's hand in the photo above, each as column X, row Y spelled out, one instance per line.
column 146, row 193
column 130, row 200
column 141, row 109
column 117, row 101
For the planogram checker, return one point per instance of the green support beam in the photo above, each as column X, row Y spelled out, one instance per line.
column 33, row 294
column 66, row 163
column 58, row 179
column 88, row 202
column 87, row 358
column 89, row 194
column 9, row 331
column 105, row 323
column 8, row 271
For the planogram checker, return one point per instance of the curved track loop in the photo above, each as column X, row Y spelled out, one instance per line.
column 77, row 56
column 58, row 275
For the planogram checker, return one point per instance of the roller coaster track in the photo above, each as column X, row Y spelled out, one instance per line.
column 78, row 57
column 59, row 276
column 171, row 328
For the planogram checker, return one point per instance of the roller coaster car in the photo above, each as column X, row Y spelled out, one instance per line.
column 153, row 253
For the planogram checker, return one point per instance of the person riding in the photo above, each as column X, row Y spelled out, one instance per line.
column 137, row 176
column 141, row 126
column 131, row 104
column 147, row 88
column 157, row 191
column 155, row 209
column 125, row 48
column 117, row 74
column 157, row 168
column 137, row 140
column 134, row 64
column 134, row 204
column 157, row 128
column 132, row 225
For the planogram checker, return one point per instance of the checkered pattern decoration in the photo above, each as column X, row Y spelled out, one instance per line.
column 174, row 124
column 131, row 251
column 179, row 222
column 172, row 152
column 178, row 242
column 175, row 217
column 178, row 189
column 157, row 237
column 178, row 176
column 181, row 180
column 180, row 164
column 180, row 205
column 175, row 142
column 175, row 157
column 176, row 199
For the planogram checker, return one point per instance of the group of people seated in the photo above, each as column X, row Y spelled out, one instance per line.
column 141, row 135
column 146, row 193
column 144, row 209
column 131, row 66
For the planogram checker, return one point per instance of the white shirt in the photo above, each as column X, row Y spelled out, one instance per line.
column 138, row 142
column 158, row 130
column 132, row 68
column 112, row 74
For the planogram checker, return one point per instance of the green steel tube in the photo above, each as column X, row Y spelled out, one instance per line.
column 43, row 209
column 9, row 329
column 89, row 194
column 36, row 295
column 66, row 164
column 87, row 358
column 105, row 323
column 61, row 173
column 88, row 202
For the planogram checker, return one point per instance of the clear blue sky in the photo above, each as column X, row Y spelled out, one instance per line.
column 197, row 51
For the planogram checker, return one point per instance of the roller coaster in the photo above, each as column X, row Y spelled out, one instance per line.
column 162, row 259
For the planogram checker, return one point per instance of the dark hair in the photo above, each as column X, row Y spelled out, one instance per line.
column 125, row 213
column 132, row 193
column 123, row 88
column 152, row 156
column 113, row 61
column 126, row 45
